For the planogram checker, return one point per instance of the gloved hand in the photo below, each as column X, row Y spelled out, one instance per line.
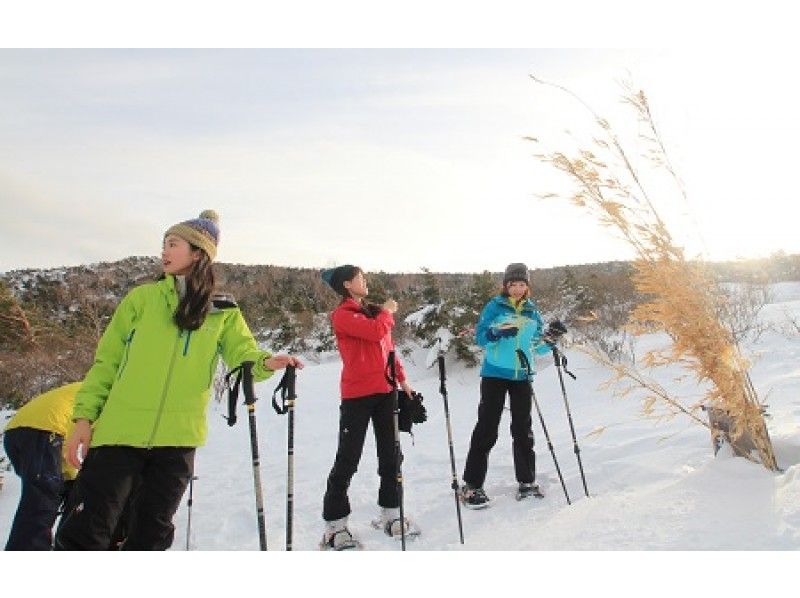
column 411, row 410
column 554, row 331
column 419, row 414
column 495, row 334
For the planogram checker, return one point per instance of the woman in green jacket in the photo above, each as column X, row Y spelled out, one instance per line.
column 141, row 410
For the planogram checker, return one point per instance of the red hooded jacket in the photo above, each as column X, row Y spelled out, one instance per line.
column 364, row 344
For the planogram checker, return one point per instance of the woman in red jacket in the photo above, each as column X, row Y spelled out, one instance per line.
column 364, row 337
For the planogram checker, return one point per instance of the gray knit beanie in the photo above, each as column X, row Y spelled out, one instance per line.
column 516, row 272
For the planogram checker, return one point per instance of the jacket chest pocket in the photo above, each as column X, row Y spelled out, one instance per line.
column 126, row 354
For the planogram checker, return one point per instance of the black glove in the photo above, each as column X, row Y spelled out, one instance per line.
column 419, row 414
column 495, row 334
column 554, row 331
column 412, row 411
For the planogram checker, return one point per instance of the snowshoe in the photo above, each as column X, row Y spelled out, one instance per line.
column 474, row 498
column 339, row 540
column 391, row 527
column 529, row 490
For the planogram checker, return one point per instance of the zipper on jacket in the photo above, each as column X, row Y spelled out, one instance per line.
column 128, row 343
column 166, row 388
column 186, row 344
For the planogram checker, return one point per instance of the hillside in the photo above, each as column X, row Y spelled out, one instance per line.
column 51, row 319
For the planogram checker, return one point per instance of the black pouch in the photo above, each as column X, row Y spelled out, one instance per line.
column 412, row 411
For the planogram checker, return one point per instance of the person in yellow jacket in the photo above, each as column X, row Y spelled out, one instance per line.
column 141, row 411
column 33, row 441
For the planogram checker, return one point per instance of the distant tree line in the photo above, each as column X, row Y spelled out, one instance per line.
column 51, row 319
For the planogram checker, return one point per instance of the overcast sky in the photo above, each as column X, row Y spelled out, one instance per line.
column 391, row 159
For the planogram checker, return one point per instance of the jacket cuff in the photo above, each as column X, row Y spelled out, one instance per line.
column 260, row 373
column 89, row 414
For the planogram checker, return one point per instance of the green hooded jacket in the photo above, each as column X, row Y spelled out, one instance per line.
column 149, row 385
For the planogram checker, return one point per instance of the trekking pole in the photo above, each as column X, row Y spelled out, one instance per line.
column 189, row 505
column 561, row 362
column 443, row 391
column 288, row 396
column 245, row 374
column 527, row 365
column 398, row 455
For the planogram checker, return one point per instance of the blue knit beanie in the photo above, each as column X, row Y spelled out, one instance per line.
column 336, row 277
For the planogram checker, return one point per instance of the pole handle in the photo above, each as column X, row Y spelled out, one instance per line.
column 243, row 378
column 287, row 389
column 442, row 375
column 247, row 383
column 561, row 361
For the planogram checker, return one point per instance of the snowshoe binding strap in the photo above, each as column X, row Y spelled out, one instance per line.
column 339, row 540
column 392, row 527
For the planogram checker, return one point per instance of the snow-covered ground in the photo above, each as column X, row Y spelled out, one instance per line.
column 654, row 486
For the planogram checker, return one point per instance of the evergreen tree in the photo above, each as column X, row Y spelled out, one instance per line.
column 379, row 284
column 574, row 299
column 464, row 316
column 430, row 290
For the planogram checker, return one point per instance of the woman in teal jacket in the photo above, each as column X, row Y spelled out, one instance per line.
column 142, row 406
column 508, row 323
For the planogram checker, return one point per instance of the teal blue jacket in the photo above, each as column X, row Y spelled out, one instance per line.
column 500, row 358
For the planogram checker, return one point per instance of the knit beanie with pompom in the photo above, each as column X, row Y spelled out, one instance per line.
column 202, row 232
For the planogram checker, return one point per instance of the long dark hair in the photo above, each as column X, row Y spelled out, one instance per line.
column 201, row 281
column 371, row 310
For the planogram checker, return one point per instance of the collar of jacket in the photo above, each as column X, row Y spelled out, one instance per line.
column 350, row 304
column 167, row 286
column 527, row 305
column 180, row 285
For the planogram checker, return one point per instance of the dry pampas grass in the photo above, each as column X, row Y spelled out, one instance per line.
column 682, row 298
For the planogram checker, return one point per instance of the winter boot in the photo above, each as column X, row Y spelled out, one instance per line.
column 527, row 490
column 337, row 536
column 474, row 498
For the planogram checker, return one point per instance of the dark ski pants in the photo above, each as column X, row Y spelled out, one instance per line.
column 484, row 436
column 36, row 457
column 72, row 499
column 354, row 417
column 109, row 475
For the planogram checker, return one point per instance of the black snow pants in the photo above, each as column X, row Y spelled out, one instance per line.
column 484, row 436
column 36, row 457
column 108, row 477
column 355, row 415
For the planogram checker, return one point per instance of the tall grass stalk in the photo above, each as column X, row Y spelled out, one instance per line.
column 683, row 300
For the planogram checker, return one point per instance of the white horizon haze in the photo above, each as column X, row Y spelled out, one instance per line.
column 392, row 159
